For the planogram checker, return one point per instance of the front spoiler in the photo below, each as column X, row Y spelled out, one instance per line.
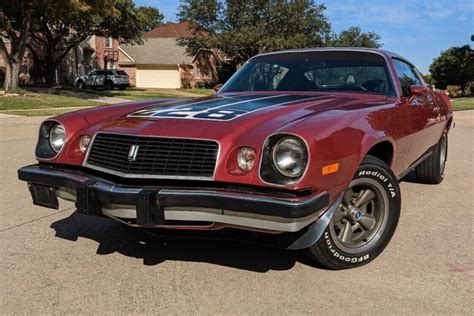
column 154, row 206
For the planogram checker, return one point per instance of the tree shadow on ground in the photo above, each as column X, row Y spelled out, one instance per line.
column 156, row 246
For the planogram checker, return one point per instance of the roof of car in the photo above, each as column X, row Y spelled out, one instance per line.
column 334, row 49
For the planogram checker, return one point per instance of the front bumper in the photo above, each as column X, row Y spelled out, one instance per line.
column 155, row 206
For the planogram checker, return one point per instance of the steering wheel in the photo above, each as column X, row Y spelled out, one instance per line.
column 352, row 87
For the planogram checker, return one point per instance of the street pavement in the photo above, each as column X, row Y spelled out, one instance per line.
column 60, row 262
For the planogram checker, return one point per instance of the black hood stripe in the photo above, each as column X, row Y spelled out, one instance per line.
column 221, row 109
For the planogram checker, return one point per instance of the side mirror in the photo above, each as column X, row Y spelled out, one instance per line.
column 418, row 90
column 217, row 87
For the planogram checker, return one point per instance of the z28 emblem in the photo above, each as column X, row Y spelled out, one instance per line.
column 218, row 109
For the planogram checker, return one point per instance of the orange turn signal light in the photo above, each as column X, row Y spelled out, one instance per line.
column 332, row 168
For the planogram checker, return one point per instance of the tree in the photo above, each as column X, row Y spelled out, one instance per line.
column 454, row 66
column 15, row 23
column 150, row 17
column 241, row 29
column 354, row 37
column 60, row 26
column 244, row 28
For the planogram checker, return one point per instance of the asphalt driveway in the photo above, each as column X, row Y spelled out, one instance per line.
column 61, row 262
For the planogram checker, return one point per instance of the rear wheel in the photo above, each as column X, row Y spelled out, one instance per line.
column 80, row 85
column 431, row 170
column 108, row 85
column 365, row 220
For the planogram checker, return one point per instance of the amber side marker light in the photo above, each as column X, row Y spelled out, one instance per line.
column 332, row 168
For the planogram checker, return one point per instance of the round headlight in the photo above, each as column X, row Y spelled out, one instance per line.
column 84, row 143
column 57, row 137
column 290, row 157
column 246, row 158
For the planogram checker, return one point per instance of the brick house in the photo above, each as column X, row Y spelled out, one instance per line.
column 162, row 63
column 159, row 63
column 97, row 52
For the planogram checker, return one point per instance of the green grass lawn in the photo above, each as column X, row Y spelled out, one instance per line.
column 199, row 91
column 41, row 101
column 463, row 103
column 31, row 104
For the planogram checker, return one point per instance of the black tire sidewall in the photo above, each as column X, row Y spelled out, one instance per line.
column 340, row 259
column 108, row 85
column 442, row 169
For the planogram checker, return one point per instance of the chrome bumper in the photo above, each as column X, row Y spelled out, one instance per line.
column 155, row 206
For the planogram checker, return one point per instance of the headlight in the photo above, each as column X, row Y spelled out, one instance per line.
column 84, row 143
column 57, row 137
column 246, row 158
column 290, row 157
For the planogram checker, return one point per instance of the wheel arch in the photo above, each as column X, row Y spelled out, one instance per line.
column 383, row 150
column 449, row 124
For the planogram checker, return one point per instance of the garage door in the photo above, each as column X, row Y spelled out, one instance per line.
column 162, row 77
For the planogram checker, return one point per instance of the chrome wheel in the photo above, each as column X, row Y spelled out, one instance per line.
column 361, row 216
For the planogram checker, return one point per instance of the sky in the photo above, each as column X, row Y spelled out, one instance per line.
column 416, row 29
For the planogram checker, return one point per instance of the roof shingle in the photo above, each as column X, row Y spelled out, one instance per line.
column 170, row 29
column 158, row 51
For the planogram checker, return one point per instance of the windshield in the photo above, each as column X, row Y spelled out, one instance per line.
column 314, row 71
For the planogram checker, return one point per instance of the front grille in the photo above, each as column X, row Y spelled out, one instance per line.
column 156, row 157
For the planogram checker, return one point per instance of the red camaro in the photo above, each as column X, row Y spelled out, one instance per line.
column 305, row 145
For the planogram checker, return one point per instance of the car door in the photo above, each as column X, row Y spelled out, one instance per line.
column 422, row 112
column 99, row 78
column 89, row 79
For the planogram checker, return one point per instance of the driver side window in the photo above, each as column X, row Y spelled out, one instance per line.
column 407, row 76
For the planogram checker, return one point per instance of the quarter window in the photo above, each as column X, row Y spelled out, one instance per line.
column 407, row 76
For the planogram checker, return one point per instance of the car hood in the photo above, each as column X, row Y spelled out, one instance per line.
column 220, row 115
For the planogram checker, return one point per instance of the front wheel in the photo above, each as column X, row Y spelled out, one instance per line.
column 365, row 220
column 80, row 85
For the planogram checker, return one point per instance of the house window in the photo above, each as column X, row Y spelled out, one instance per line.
column 203, row 71
column 108, row 42
column 198, row 72
column 209, row 71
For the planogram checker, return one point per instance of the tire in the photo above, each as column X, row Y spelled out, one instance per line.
column 81, row 85
column 121, row 88
column 431, row 170
column 365, row 221
column 108, row 85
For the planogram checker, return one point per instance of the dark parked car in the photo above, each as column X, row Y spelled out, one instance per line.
column 105, row 79
column 305, row 146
